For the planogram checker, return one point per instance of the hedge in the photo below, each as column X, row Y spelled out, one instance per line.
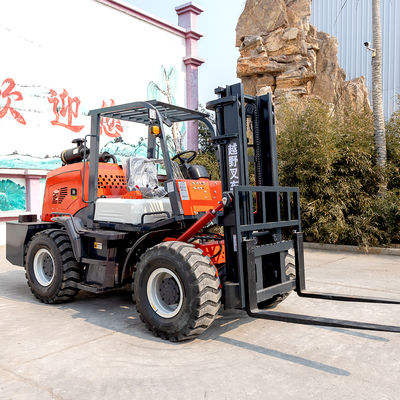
column 329, row 154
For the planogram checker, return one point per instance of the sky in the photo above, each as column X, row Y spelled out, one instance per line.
column 217, row 47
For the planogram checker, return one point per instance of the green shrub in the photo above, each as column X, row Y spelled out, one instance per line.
column 206, row 154
column 330, row 156
column 393, row 150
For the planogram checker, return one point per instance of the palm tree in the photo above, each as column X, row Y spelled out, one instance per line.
column 377, row 101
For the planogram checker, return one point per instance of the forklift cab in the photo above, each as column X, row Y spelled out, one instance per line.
column 185, row 188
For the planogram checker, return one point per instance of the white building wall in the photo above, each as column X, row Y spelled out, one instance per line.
column 350, row 21
column 95, row 52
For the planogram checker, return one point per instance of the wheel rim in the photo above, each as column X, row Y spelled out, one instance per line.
column 165, row 293
column 43, row 267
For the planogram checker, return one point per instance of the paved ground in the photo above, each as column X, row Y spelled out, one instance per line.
column 96, row 347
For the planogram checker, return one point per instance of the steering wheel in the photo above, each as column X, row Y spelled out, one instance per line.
column 191, row 155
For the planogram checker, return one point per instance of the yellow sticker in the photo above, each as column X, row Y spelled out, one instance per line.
column 98, row 245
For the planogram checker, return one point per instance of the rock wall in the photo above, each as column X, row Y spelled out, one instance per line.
column 279, row 48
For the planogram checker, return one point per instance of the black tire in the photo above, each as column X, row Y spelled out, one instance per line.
column 199, row 287
column 54, row 246
column 290, row 273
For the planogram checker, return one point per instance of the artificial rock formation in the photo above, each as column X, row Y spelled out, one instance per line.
column 280, row 49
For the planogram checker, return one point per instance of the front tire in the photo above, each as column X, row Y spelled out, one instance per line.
column 50, row 267
column 176, row 290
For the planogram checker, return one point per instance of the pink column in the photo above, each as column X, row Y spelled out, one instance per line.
column 33, row 198
column 187, row 18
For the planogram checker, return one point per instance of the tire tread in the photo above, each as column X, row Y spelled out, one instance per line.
column 208, row 299
column 70, row 269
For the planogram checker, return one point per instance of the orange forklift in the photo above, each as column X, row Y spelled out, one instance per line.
column 150, row 223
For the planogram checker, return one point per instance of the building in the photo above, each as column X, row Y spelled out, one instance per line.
column 350, row 21
column 62, row 58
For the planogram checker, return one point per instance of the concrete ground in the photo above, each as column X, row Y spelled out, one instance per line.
column 96, row 346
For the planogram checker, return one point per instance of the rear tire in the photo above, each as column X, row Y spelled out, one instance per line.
column 50, row 267
column 176, row 290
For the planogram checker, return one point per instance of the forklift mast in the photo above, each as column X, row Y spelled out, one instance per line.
column 257, row 207
column 262, row 219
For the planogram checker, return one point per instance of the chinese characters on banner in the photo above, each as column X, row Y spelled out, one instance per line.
column 8, row 95
column 65, row 109
column 111, row 127
column 69, row 109
column 233, row 162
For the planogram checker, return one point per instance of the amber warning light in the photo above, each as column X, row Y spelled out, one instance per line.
column 154, row 129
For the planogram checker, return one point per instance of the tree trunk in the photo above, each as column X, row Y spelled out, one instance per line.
column 377, row 101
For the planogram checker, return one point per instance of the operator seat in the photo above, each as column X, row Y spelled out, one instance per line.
column 190, row 171
column 194, row 171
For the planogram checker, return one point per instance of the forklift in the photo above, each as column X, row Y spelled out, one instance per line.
column 151, row 223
